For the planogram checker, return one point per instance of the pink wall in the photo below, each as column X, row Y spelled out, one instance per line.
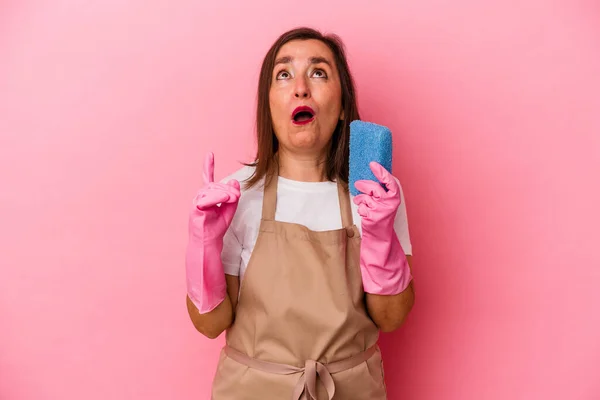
column 107, row 109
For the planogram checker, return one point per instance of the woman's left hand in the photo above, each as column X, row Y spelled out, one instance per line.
column 376, row 205
column 383, row 263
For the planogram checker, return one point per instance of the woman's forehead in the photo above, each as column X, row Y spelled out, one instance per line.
column 304, row 50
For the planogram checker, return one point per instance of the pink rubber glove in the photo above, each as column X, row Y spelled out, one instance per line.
column 383, row 263
column 212, row 212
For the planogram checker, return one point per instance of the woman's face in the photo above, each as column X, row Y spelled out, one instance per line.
column 305, row 97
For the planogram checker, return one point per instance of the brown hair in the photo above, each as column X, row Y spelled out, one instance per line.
column 337, row 159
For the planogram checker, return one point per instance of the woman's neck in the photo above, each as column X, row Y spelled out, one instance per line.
column 302, row 167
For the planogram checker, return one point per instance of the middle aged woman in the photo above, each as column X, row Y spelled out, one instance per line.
column 301, row 275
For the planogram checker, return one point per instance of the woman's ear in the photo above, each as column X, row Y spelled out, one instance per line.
column 342, row 115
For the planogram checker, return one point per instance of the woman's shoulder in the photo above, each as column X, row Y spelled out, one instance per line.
column 251, row 198
column 241, row 175
column 250, row 203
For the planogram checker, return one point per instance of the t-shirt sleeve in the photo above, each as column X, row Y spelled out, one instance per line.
column 231, row 256
column 401, row 225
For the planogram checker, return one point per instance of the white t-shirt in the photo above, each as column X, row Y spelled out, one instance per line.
column 312, row 204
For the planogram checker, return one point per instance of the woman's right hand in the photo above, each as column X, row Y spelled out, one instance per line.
column 212, row 211
column 214, row 205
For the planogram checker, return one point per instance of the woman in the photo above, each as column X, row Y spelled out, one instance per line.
column 301, row 290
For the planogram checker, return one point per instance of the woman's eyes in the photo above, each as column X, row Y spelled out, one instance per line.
column 283, row 75
column 317, row 73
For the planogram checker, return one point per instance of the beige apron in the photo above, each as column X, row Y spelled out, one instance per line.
column 301, row 329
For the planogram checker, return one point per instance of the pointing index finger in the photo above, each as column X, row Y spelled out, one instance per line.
column 209, row 168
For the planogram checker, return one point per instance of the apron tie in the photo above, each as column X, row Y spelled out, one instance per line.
column 306, row 388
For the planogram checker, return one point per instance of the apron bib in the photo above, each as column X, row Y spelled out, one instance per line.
column 301, row 330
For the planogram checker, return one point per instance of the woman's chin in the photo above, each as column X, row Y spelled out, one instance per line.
column 305, row 140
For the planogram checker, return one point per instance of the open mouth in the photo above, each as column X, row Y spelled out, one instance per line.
column 303, row 115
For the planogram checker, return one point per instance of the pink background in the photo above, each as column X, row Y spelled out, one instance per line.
column 107, row 109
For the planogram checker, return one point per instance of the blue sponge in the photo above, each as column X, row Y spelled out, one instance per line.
column 368, row 142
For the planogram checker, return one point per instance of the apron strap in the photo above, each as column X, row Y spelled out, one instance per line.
column 270, row 196
column 345, row 208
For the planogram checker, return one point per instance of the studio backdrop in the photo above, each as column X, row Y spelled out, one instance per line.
column 108, row 108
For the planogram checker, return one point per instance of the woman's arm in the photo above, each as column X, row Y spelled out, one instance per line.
column 390, row 312
column 384, row 264
column 215, row 322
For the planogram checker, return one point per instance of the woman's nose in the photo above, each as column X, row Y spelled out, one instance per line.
column 301, row 90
